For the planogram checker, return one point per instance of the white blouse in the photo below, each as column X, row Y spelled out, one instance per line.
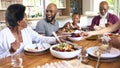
column 28, row 36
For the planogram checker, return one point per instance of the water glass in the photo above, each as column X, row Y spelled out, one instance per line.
column 16, row 60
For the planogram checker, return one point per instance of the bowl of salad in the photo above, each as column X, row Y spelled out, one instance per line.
column 65, row 51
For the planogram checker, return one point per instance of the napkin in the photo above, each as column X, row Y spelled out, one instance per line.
column 105, row 38
column 66, row 64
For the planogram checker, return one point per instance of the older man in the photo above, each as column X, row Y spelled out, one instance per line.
column 105, row 18
column 48, row 25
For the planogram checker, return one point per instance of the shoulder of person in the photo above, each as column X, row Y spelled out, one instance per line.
column 111, row 14
column 96, row 17
column 42, row 21
column 4, row 30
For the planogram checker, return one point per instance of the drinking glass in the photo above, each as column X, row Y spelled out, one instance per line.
column 16, row 60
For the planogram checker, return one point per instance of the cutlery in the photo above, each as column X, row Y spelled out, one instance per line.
column 98, row 60
column 43, row 46
column 56, row 37
column 36, row 47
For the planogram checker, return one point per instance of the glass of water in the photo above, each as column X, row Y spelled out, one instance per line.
column 16, row 60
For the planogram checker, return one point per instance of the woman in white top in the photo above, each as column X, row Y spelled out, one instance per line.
column 17, row 34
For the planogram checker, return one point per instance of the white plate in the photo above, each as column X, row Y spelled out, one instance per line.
column 75, row 38
column 113, row 52
column 41, row 47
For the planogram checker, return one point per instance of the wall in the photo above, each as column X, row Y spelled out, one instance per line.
column 87, row 5
column 91, row 6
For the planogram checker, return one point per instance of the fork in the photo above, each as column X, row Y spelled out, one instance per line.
column 36, row 46
column 98, row 60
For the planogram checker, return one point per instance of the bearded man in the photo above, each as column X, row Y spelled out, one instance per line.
column 48, row 25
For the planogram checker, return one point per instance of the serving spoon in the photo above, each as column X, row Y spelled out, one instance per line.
column 54, row 34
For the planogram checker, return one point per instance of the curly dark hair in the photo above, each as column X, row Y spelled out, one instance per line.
column 76, row 13
column 14, row 13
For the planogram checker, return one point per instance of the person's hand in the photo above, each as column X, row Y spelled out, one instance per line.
column 63, row 38
column 86, row 34
column 108, row 24
column 14, row 46
column 115, row 41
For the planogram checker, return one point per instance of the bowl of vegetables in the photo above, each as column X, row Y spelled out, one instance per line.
column 65, row 51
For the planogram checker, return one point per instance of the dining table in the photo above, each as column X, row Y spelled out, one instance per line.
column 33, row 61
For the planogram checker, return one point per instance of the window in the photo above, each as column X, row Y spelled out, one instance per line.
column 114, row 6
column 33, row 8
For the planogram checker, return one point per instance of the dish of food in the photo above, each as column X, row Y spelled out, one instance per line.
column 37, row 47
column 110, row 53
column 66, row 31
column 64, row 47
column 64, row 51
column 75, row 37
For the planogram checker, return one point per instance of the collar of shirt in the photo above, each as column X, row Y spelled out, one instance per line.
column 53, row 22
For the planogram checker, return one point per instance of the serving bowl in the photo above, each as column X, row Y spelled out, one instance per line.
column 75, row 37
column 66, row 54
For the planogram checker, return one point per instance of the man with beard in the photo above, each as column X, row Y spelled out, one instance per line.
column 48, row 25
column 105, row 18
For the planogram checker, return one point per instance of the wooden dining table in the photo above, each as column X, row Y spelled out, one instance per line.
column 33, row 61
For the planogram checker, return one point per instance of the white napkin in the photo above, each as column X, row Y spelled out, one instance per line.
column 105, row 38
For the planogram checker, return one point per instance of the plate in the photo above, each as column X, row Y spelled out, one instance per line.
column 113, row 52
column 41, row 47
column 75, row 38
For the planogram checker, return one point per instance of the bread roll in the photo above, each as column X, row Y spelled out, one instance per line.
column 104, row 47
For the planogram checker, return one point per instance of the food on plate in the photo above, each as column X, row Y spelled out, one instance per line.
column 75, row 35
column 65, row 30
column 64, row 47
column 102, row 49
column 36, row 49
